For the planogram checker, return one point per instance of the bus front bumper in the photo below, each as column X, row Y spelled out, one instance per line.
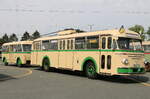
column 131, row 70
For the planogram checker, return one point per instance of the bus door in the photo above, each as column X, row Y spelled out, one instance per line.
column 62, row 54
column 106, row 54
column 11, row 54
column 34, row 56
column 69, row 54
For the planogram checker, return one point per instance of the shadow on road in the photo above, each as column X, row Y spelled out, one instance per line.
column 4, row 77
column 115, row 79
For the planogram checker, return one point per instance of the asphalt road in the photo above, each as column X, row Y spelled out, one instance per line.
column 32, row 83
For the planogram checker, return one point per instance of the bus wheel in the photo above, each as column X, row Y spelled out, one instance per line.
column 5, row 62
column 90, row 70
column 19, row 63
column 46, row 65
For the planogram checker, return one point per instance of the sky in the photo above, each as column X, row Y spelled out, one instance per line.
column 46, row 16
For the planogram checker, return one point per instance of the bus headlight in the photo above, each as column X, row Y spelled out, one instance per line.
column 125, row 61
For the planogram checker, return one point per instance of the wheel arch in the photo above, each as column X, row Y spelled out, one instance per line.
column 18, row 58
column 87, row 59
column 45, row 57
column 3, row 59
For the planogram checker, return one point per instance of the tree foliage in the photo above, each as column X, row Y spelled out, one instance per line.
column 13, row 37
column 35, row 35
column 5, row 38
column 26, row 36
column 139, row 29
column 148, row 31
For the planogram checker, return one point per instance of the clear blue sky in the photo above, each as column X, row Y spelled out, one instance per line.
column 17, row 16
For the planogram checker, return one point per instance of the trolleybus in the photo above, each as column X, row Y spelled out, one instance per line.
column 107, row 52
column 17, row 52
column 146, row 46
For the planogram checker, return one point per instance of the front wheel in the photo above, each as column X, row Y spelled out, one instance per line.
column 46, row 65
column 91, row 70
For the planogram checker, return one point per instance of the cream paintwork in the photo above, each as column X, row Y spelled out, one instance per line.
column 11, row 57
column 74, row 59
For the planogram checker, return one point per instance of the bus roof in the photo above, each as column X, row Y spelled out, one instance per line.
column 19, row 42
column 115, row 32
column 146, row 43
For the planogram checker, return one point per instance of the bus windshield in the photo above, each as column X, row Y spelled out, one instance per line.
column 129, row 44
column 27, row 47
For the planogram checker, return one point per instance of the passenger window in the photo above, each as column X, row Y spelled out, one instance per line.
column 80, row 43
column 103, row 61
column 11, row 48
column 71, row 44
column 19, row 49
column 109, row 42
column 60, row 45
column 103, row 43
column 108, row 62
column 45, row 45
column 93, row 42
column 114, row 44
column 14, row 48
column 38, row 46
column 64, row 44
column 54, row 44
column 68, row 44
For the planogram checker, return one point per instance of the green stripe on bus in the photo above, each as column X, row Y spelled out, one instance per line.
column 15, row 52
column 87, row 50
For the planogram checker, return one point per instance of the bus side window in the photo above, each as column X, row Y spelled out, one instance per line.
column 45, row 45
column 103, row 43
column 108, row 62
column 14, row 48
column 93, row 42
column 54, row 44
column 80, row 43
column 71, row 44
column 60, row 45
column 19, row 49
column 109, row 42
column 64, row 43
column 103, row 61
column 11, row 48
column 68, row 44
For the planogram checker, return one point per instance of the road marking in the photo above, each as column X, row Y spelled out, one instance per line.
column 28, row 72
column 140, row 82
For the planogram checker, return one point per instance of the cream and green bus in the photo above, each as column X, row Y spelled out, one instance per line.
column 18, row 53
column 146, row 46
column 107, row 52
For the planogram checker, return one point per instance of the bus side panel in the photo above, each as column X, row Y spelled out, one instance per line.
column 80, row 56
column 33, row 58
column 53, row 58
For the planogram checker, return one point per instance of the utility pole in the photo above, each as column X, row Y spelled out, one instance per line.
column 91, row 26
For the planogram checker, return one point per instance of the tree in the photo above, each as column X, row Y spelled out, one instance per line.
column 26, row 36
column 13, row 37
column 5, row 38
column 1, row 42
column 139, row 29
column 35, row 35
column 148, row 31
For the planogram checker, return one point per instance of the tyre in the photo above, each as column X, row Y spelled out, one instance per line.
column 5, row 62
column 46, row 65
column 19, row 63
column 90, row 70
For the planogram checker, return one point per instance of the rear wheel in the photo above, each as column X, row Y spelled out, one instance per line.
column 5, row 62
column 46, row 65
column 90, row 70
column 19, row 63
